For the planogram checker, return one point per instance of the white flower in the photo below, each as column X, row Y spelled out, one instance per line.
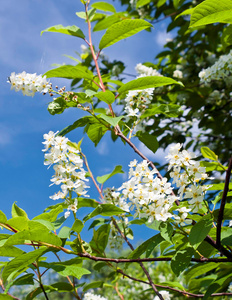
column 221, row 69
column 90, row 296
column 68, row 169
column 177, row 74
column 28, row 83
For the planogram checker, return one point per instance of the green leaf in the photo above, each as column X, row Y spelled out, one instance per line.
column 82, row 14
column 146, row 82
column 207, row 153
column 198, row 270
column 169, row 110
column 122, row 30
column 100, row 238
column 87, row 202
column 6, row 297
column 79, row 123
column 69, row 270
column 111, row 120
column 106, row 210
column 104, row 178
column 77, row 226
column 18, row 223
column 226, row 38
column 141, row 3
column 64, row 233
column 212, row 11
column 149, row 245
column 93, row 285
column 24, row 280
column 95, row 131
column 211, row 166
column 166, row 231
column 107, row 22
column 226, row 237
column 70, row 72
column 3, row 218
column 199, row 231
column 51, row 215
column 107, row 96
column 148, row 140
column 223, row 279
column 181, row 260
column 70, row 30
column 185, row 12
column 10, row 251
column 57, row 106
column 21, row 262
column 104, row 6
column 17, row 211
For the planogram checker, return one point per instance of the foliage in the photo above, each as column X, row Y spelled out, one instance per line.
column 189, row 254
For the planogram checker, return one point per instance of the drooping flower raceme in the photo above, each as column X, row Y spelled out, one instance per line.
column 145, row 193
column 28, row 83
column 187, row 174
column 90, row 296
column 68, row 166
column 221, row 69
column 137, row 101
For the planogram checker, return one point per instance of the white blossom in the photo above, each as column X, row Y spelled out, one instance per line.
column 90, row 296
column 68, row 167
column 28, row 83
column 221, row 69
column 178, row 74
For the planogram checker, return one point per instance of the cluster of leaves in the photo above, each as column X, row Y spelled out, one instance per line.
column 201, row 252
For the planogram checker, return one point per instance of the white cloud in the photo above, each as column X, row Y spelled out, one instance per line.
column 159, row 156
column 5, row 136
column 162, row 36
column 102, row 148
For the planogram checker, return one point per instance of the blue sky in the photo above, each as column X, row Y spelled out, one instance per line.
column 24, row 120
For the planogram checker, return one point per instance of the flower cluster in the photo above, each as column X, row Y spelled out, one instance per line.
column 186, row 173
column 137, row 101
column 68, row 166
column 28, row 83
column 221, row 69
column 90, row 296
column 146, row 71
column 150, row 196
column 178, row 74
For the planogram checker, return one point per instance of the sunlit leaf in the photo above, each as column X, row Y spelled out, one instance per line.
column 212, row 11
column 70, row 30
column 122, row 30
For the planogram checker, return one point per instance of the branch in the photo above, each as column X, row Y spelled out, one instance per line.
column 223, row 203
column 138, row 260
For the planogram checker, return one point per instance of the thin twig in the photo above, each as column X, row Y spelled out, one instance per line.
column 223, row 203
column 141, row 264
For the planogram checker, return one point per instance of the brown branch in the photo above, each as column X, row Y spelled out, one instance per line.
column 153, row 259
column 223, row 203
